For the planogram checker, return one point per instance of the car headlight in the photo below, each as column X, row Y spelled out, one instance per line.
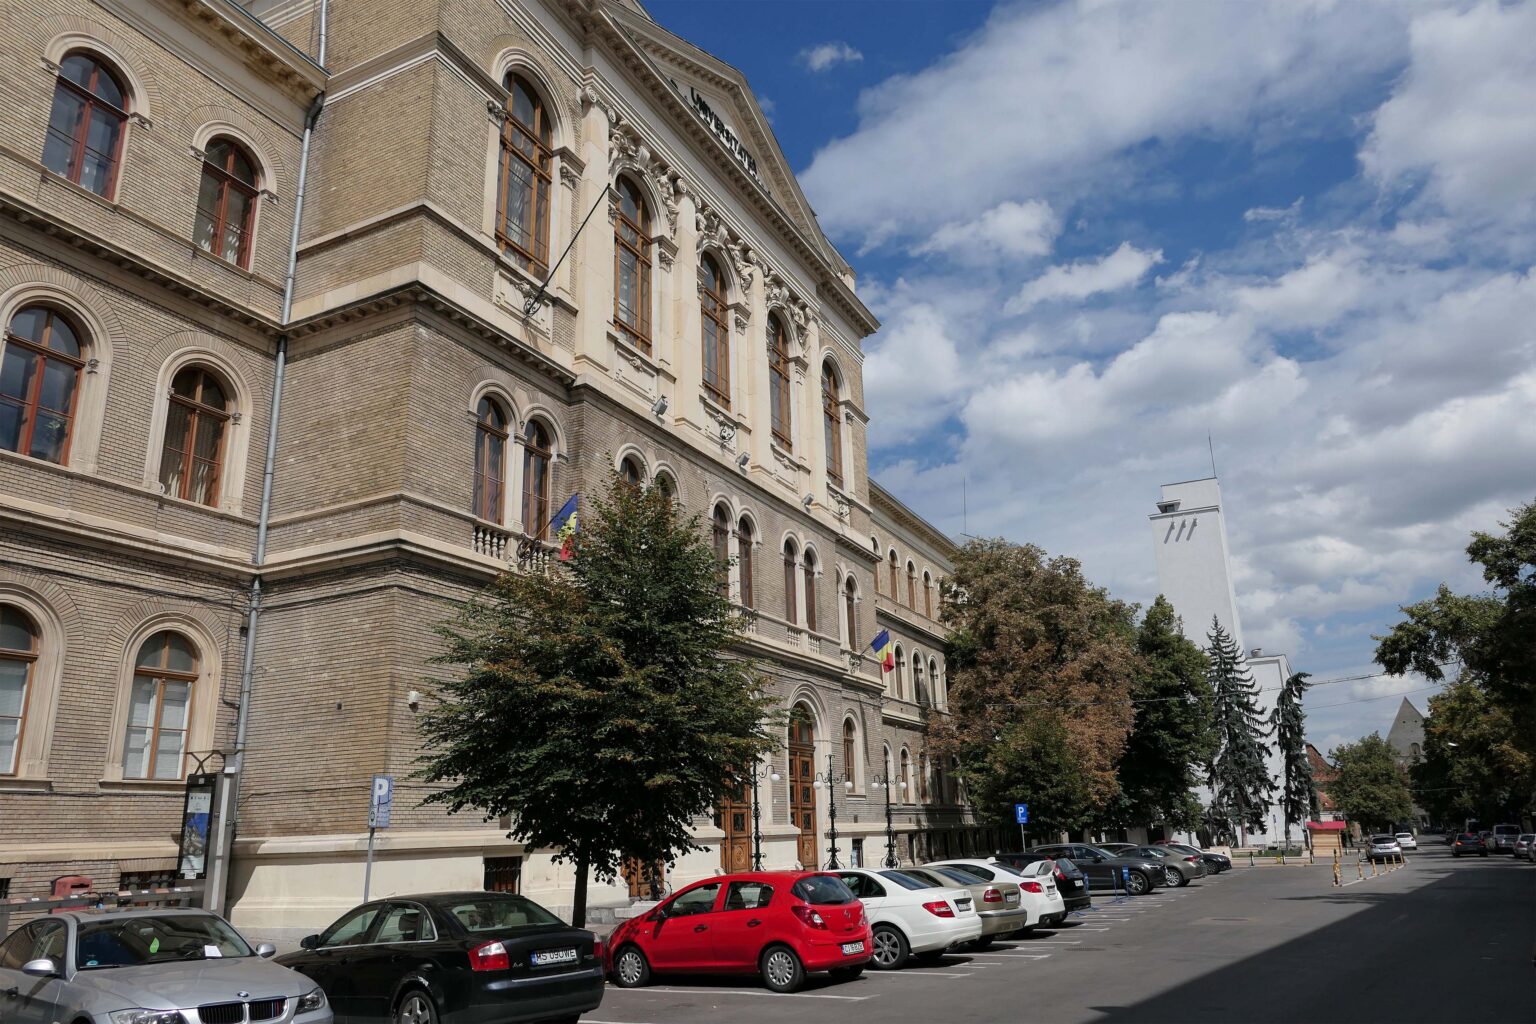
column 140, row 1015
column 310, row 1001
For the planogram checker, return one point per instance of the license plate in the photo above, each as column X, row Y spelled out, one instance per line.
column 1011, row 897
column 548, row 957
column 850, row 948
column 1049, row 887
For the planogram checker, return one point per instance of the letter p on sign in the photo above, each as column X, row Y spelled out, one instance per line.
column 381, row 801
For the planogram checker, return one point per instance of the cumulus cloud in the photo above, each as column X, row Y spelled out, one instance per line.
column 1120, row 269
column 913, row 372
column 825, row 56
column 1007, row 229
column 1259, row 214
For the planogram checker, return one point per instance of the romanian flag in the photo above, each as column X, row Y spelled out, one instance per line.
column 564, row 526
column 885, row 652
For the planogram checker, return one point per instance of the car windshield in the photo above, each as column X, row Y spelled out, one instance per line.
column 1066, row 865
column 823, row 890
column 496, row 912
column 904, row 880
column 151, row 939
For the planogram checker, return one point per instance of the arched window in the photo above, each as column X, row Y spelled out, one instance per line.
column 632, row 266
column 630, row 471
column 1413, row 751
column 717, row 331
column 39, row 384
column 927, row 594
column 491, row 432
column 778, row 383
column 159, row 706
column 850, row 751
column 832, row 424
column 895, row 579
column 744, row 559
column 18, row 658
column 522, row 195
column 226, row 202
column 720, row 536
column 919, row 684
column 191, row 460
column 906, row 773
column 922, row 777
column 912, row 586
column 898, row 673
column 810, row 590
column 667, row 487
column 791, row 579
column 538, row 456
column 935, row 689
column 851, row 607
column 85, row 126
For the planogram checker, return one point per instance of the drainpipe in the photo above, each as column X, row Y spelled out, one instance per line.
column 218, row 880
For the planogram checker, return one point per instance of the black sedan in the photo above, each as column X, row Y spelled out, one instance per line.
column 453, row 958
column 1107, row 872
column 1070, row 880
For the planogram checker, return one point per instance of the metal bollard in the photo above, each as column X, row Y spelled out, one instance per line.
column 1338, row 878
column 1373, row 867
column 1360, row 866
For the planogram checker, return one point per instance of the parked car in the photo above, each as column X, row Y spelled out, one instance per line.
column 1525, row 847
column 1468, row 843
column 1383, row 846
column 1037, row 887
column 1179, row 868
column 1116, row 848
column 1504, row 837
column 453, row 958
column 1215, row 863
column 187, row 965
column 1134, row 875
column 910, row 916
column 1070, row 880
column 1407, row 841
column 998, row 902
column 782, row 925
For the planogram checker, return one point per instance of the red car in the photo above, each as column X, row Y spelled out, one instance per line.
column 780, row 924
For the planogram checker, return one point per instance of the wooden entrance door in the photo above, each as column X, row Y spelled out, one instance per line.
column 646, row 882
column 733, row 816
column 802, row 789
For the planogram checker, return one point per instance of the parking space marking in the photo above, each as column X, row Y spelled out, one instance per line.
column 915, row 974
column 1012, row 956
column 746, row 992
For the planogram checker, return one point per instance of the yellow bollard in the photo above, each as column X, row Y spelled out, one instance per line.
column 1338, row 879
column 1360, row 865
column 1373, row 867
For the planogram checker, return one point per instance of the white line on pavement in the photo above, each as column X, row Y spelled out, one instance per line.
column 915, row 974
column 1011, row 956
column 1093, row 929
column 742, row 992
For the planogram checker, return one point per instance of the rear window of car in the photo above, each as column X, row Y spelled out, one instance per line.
column 1506, row 830
column 1383, row 839
column 904, row 880
column 1466, row 837
column 962, row 875
column 1066, row 864
column 497, row 911
column 1526, row 838
column 822, row 890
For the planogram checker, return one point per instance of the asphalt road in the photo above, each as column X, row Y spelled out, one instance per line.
column 1439, row 940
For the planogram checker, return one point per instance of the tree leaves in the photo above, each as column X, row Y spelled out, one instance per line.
column 1297, row 792
column 1239, row 778
column 1370, row 788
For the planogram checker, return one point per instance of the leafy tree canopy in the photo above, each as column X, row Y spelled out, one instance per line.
column 1370, row 789
column 1471, row 766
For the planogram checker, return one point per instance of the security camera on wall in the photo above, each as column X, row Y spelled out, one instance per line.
column 808, row 501
column 742, row 460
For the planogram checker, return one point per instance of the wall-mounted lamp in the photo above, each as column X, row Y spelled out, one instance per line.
column 659, row 406
column 413, row 700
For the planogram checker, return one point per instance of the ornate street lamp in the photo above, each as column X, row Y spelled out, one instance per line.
column 826, row 780
column 889, row 784
column 757, row 817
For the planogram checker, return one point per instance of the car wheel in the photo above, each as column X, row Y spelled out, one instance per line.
column 1137, row 883
column 891, row 948
column 1173, row 877
column 416, row 1008
column 630, row 968
column 781, row 969
column 846, row 973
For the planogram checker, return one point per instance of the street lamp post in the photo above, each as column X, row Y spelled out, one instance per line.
column 826, row 780
column 757, row 817
column 888, row 784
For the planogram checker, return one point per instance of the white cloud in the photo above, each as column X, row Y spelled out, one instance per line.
column 1120, row 269
column 1007, row 229
column 1259, row 214
column 825, row 56
column 913, row 372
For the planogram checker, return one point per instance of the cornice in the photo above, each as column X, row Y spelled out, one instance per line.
column 884, row 502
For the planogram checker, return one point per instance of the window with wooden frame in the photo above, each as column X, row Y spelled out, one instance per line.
column 899, row 674
column 778, row 384
column 919, row 688
column 832, row 424
column 523, row 185
column 791, row 579
column 18, row 658
column 226, row 202
column 927, row 594
column 39, row 384
column 906, row 774
column 196, row 423
column 850, row 750
column 720, row 537
column 810, row 590
column 159, row 707
column 632, row 266
column 922, row 777
column 492, row 431
column 912, row 586
column 667, row 487
column 715, row 318
column 630, row 472
column 851, row 608
column 85, row 127
column 744, row 560
column 538, row 458
column 895, row 579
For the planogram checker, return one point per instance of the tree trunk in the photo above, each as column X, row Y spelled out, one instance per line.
column 579, row 905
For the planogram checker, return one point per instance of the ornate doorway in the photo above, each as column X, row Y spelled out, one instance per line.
column 733, row 816
column 802, row 778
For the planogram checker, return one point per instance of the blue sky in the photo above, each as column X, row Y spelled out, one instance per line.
column 1095, row 232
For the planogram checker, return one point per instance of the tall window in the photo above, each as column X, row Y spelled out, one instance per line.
column 85, row 127
column 850, row 749
column 906, row 773
column 191, row 460
column 158, row 707
column 491, row 432
column 744, row 559
column 630, row 472
column 791, row 579
column 832, row 424
column 899, row 674
column 39, row 384
column 18, row 653
column 927, row 594
column 778, row 383
column 538, row 455
column 632, row 266
column 850, row 608
column 912, row 586
column 666, row 486
column 720, row 536
column 895, row 579
column 717, row 332
column 919, row 688
column 922, row 777
column 810, row 591
column 522, row 197
column 226, row 202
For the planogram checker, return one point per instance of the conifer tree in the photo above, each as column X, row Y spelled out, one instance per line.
column 1239, row 779
column 1297, row 794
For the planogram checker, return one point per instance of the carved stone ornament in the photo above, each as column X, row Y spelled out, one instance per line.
column 569, row 176
column 665, row 257
column 742, row 320
column 589, row 98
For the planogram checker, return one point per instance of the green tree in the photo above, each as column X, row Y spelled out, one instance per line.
column 1040, row 672
column 1171, row 739
column 1370, row 789
column 596, row 704
column 1239, row 778
column 1472, row 766
column 1298, row 796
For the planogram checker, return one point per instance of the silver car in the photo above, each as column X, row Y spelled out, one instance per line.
column 148, row 967
column 1384, row 847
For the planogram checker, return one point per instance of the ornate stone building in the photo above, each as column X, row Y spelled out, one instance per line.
column 436, row 400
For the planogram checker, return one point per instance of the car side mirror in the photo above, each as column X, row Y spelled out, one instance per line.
column 266, row 951
column 307, row 942
column 40, row 968
column 1098, row 858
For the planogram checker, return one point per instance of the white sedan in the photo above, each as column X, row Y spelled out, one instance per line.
column 1406, row 841
column 1037, row 883
column 908, row 916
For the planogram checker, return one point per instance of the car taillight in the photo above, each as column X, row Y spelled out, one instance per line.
column 1193, row 860
column 862, row 919
column 1061, row 875
column 939, row 908
column 808, row 916
column 992, row 896
column 1031, row 887
column 489, row 956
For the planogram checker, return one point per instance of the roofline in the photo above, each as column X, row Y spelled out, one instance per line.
column 295, row 57
column 878, row 495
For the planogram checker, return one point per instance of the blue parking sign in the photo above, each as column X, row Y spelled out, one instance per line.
column 1021, row 813
column 381, row 802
